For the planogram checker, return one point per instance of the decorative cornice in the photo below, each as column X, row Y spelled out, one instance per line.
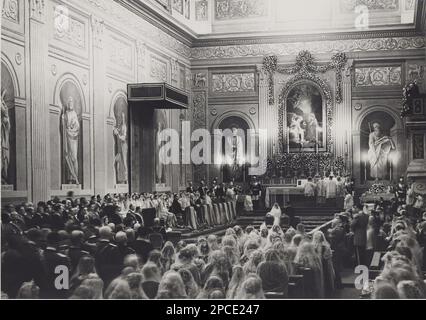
column 316, row 47
column 265, row 38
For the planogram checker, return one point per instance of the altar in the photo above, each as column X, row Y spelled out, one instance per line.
column 282, row 193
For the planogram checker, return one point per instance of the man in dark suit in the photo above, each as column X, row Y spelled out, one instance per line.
column 107, row 257
column 75, row 251
column 359, row 228
column 53, row 259
column 190, row 188
column 142, row 245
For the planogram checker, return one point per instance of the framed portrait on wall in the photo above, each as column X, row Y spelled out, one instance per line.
column 305, row 118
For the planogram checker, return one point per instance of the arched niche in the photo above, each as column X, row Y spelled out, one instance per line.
column 9, row 91
column 390, row 125
column 233, row 166
column 69, row 136
column 117, row 142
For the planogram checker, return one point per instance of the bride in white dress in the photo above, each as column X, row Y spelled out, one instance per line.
column 276, row 213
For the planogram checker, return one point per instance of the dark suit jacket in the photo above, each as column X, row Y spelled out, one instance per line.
column 52, row 259
column 359, row 228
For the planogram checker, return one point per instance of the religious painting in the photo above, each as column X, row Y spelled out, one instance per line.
column 234, row 146
column 120, row 140
column 377, row 145
column 72, row 107
column 160, row 121
column 8, row 167
column 305, row 118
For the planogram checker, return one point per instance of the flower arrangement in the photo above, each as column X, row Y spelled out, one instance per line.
column 377, row 188
column 304, row 163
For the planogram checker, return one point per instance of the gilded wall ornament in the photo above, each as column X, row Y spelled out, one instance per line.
column 305, row 64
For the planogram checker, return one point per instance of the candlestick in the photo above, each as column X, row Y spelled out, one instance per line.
column 288, row 141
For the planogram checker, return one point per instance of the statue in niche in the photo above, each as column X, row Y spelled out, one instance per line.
column 380, row 146
column 71, row 128
column 5, row 139
column 120, row 160
column 160, row 170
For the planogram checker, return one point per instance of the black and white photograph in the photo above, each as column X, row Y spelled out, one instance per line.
column 212, row 157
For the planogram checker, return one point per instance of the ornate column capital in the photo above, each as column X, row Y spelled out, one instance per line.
column 38, row 10
column 98, row 27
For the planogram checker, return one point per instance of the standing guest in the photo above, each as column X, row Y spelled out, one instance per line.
column 122, row 246
column 337, row 244
column 348, row 202
column 142, row 245
column 331, row 191
column 52, row 258
column 401, row 191
column 359, row 228
column 309, row 191
column 191, row 287
column 213, row 283
column 321, row 191
column 107, row 256
column 75, row 251
column 256, row 192
column 340, row 195
column 410, row 198
column 322, row 248
column 190, row 188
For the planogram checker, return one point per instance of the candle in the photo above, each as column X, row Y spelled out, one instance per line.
column 288, row 140
column 316, row 140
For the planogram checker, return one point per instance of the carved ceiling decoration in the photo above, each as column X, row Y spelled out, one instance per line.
column 305, row 67
column 240, row 9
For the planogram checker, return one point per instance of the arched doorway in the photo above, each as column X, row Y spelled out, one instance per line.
column 234, row 147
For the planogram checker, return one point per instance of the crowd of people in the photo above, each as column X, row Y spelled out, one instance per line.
column 109, row 253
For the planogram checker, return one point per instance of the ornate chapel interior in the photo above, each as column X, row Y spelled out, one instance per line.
column 326, row 79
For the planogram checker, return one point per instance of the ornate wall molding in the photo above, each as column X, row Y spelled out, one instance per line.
column 243, row 9
column 303, row 77
column 72, row 31
column 98, row 28
column 10, row 10
column 378, row 76
column 158, row 70
column 348, row 6
column 315, row 47
column 305, row 65
column 199, row 80
column 233, row 82
column 120, row 53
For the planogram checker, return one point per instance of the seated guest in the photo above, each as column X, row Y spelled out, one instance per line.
column 171, row 287
column 151, row 279
column 251, row 288
column 273, row 273
column 322, row 248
